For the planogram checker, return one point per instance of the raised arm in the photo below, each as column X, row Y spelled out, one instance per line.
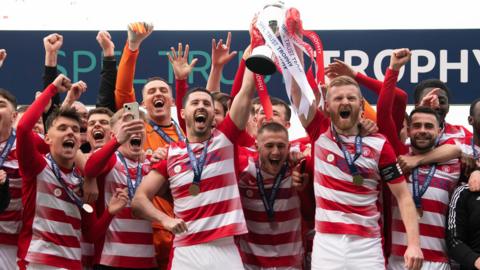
column 181, row 69
column 221, row 55
column 52, row 44
column 240, row 109
column 386, row 100
column 124, row 91
column 106, row 93
column 29, row 158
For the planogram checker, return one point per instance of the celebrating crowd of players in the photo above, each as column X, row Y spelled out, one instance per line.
column 225, row 187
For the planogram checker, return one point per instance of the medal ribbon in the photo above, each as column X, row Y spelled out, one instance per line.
column 164, row 135
column 270, row 201
column 417, row 192
column 358, row 151
column 474, row 150
column 72, row 195
column 197, row 164
column 131, row 188
column 8, row 147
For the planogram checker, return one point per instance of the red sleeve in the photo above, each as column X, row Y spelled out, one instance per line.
column 229, row 128
column 245, row 139
column 181, row 88
column 94, row 229
column 389, row 158
column 161, row 168
column 400, row 103
column 41, row 145
column 237, row 82
column 28, row 156
column 319, row 125
column 385, row 114
column 103, row 160
column 451, row 141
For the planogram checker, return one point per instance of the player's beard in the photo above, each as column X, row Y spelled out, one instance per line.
column 426, row 147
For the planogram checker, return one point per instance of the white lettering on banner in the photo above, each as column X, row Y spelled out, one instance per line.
column 363, row 56
column 415, row 69
column 328, row 55
column 462, row 65
column 476, row 53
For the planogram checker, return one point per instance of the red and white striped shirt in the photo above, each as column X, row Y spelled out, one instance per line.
column 11, row 218
column 342, row 206
column 128, row 240
column 51, row 229
column 467, row 149
column 435, row 207
column 276, row 243
column 456, row 132
column 216, row 212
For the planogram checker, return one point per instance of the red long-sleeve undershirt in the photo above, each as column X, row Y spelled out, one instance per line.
column 103, row 160
column 237, row 82
column 181, row 87
column 400, row 97
column 386, row 114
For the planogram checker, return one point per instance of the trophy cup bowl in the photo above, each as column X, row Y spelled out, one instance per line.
column 261, row 60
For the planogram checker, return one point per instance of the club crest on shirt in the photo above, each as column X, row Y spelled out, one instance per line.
column 57, row 192
column 366, row 152
column 177, row 168
column 330, row 158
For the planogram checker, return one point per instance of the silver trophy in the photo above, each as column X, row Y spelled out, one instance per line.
column 261, row 59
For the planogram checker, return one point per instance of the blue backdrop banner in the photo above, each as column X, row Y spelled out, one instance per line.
column 451, row 55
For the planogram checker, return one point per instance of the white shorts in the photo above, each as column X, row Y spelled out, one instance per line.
column 8, row 257
column 35, row 266
column 254, row 267
column 343, row 251
column 397, row 263
column 219, row 254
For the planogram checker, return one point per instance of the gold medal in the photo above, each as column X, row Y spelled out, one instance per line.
column 420, row 211
column 358, row 179
column 194, row 189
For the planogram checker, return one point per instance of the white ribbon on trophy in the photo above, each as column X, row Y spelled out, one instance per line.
column 289, row 63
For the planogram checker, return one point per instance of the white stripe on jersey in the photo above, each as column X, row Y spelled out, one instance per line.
column 347, row 218
column 10, row 227
column 129, row 225
column 279, row 205
column 426, row 242
column 264, row 227
column 216, row 221
column 50, row 201
column 38, row 245
column 55, row 227
column 128, row 250
column 330, row 169
column 344, row 197
column 206, row 198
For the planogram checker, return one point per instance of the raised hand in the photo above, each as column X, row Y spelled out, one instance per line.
column 368, row 127
column 118, row 201
column 74, row 93
column 62, row 83
column 408, row 163
column 105, row 41
column 53, row 43
column 3, row 55
column 431, row 99
column 399, row 58
column 221, row 54
column 339, row 68
column 129, row 128
column 179, row 61
column 137, row 32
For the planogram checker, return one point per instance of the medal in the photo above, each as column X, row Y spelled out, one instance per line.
column 197, row 167
column 87, row 207
column 269, row 201
column 419, row 192
column 249, row 193
column 194, row 189
column 358, row 179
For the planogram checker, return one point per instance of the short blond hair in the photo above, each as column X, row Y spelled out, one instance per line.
column 342, row 81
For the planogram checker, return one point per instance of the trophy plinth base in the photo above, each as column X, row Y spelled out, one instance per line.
column 261, row 64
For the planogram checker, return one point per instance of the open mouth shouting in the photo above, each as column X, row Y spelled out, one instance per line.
column 345, row 112
column 135, row 143
column 200, row 118
column 68, row 144
column 98, row 134
column 158, row 103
